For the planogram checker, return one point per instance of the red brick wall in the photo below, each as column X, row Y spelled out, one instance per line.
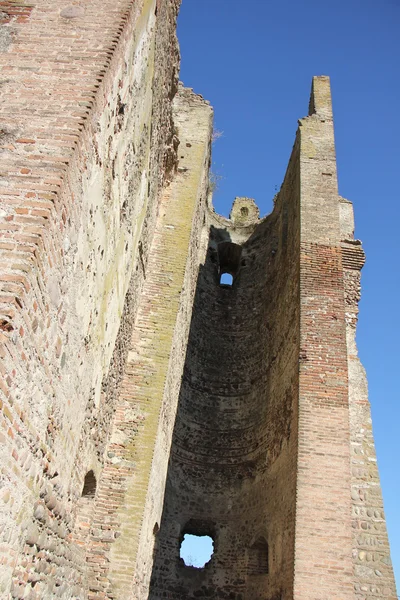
column 373, row 573
column 87, row 141
column 127, row 510
column 323, row 566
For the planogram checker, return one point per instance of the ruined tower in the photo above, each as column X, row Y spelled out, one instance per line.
column 142, row 397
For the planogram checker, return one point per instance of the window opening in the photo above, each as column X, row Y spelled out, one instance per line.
column 244, row 211
column 89, row 485
column 226, row 279
column 196, row 550
column 229, row 255
column 258, row 558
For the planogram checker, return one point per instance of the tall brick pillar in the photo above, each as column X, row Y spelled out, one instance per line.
column 341, row 544
column 323, row 566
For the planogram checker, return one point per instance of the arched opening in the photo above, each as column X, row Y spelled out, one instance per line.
column 196, row 550
column 229, row 255
column 226, row 279
column 257, row 558
column 89, row 485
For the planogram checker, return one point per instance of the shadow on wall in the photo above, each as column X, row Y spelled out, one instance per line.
column 231, row 451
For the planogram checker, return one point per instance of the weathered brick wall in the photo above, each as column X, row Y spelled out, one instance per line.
column 323, row 529
column 373, row 573
column 232, row 471
column 113, row 322
column 128, row 504
column 341, row 540
column 87, row 141
column 262, row 439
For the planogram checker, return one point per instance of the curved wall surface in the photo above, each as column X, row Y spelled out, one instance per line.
column 233, row 458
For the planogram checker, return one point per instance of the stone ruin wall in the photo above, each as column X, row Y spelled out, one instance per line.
column 371, row 557
column 87, row 145
column 113, row 322
column 235, row 432
column 272, row 441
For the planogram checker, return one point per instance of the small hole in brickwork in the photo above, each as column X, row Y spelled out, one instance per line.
column 226, row 279
column 6, row 325
column 89, row 485
column 244, row 211
column 196, row 550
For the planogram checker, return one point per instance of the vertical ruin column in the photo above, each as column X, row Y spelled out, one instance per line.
column 373, row 572
column 131, row 489
column 323, row 565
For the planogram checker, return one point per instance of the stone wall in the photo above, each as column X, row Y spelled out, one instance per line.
column 87, row 142
column 127, row 508
column 232, row 470
column 273, row 400
column 373, row 573
column 141, row 397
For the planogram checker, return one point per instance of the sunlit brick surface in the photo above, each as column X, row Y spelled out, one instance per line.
column 140, row 398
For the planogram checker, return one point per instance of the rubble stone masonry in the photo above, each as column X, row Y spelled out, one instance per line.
column 141, row 397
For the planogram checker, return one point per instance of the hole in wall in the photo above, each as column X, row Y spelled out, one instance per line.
column 244, row 211
column 229, row 255
column 196, row 550
column 226, row 279
column 124, row 211
column 89, row 485
column 257, row 563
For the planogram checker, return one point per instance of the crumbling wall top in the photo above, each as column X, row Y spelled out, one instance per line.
column 244, row 211
column 320, row 99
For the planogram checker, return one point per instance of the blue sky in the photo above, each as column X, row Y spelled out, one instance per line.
column 254, row 62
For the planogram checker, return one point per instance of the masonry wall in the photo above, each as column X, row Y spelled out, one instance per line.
column 232, row 469
column 127, row 508
column 140, row 398
column 338, row 495
column 323, row 483
column 272, row 450
column 373, row 573
column 87, row 143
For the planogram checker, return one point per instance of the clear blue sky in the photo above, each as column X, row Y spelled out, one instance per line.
column 254, row 62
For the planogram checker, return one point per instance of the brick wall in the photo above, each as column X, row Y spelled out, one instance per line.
column 182, row 405
column 232, row 468
column 128, row 505
column 260, row 454
column 339, row 507
column 87, row 141
column 323, row 531
column 373, row 573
